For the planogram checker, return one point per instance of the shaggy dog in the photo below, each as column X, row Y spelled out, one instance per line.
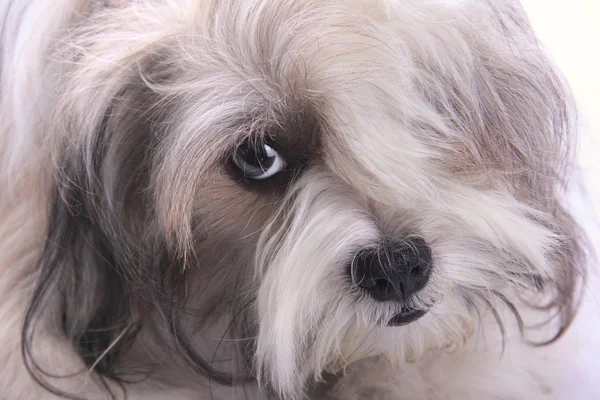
column 290, row 199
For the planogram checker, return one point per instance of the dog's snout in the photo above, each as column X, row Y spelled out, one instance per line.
column 394, row 271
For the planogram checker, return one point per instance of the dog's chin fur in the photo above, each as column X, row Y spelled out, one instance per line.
column 136, row 261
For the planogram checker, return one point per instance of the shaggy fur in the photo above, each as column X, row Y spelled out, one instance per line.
column 136, row 260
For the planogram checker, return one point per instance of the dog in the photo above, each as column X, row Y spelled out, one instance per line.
column 284, row 199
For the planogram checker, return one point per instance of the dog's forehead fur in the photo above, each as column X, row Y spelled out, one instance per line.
column 441, row 120
column 288, row 78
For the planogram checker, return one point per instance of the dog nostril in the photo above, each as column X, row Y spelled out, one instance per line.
column 415, row 272
column 382, row 285
column 367, row 283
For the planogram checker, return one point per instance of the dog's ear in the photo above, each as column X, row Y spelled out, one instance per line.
column 107, row 267
column 100, row 266
column 509, row 113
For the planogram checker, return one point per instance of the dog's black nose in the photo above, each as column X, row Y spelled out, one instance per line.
column 394, row 271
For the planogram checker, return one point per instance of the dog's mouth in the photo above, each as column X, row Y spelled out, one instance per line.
column 406, row 316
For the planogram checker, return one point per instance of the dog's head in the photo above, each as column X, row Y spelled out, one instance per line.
column 337, row 180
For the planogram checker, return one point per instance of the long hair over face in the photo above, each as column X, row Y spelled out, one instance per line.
column 442, row 121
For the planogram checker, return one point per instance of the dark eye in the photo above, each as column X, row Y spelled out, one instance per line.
column 260, row 162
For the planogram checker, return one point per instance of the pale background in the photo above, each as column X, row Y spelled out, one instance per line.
column 570, row 31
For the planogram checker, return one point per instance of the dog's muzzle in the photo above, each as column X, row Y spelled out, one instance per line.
column 394, row 272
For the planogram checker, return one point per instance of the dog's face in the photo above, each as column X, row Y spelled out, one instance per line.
column 339, row 179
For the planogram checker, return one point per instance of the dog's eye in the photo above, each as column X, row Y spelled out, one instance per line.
column 260, row 162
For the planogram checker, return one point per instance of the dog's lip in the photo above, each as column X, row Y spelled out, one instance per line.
column 405, row 317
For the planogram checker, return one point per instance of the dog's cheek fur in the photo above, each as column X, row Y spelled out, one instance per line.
column 516, row 125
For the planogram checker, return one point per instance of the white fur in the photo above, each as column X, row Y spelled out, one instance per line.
column 405, row 89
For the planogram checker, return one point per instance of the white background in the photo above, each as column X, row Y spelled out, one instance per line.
column 570, row 31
